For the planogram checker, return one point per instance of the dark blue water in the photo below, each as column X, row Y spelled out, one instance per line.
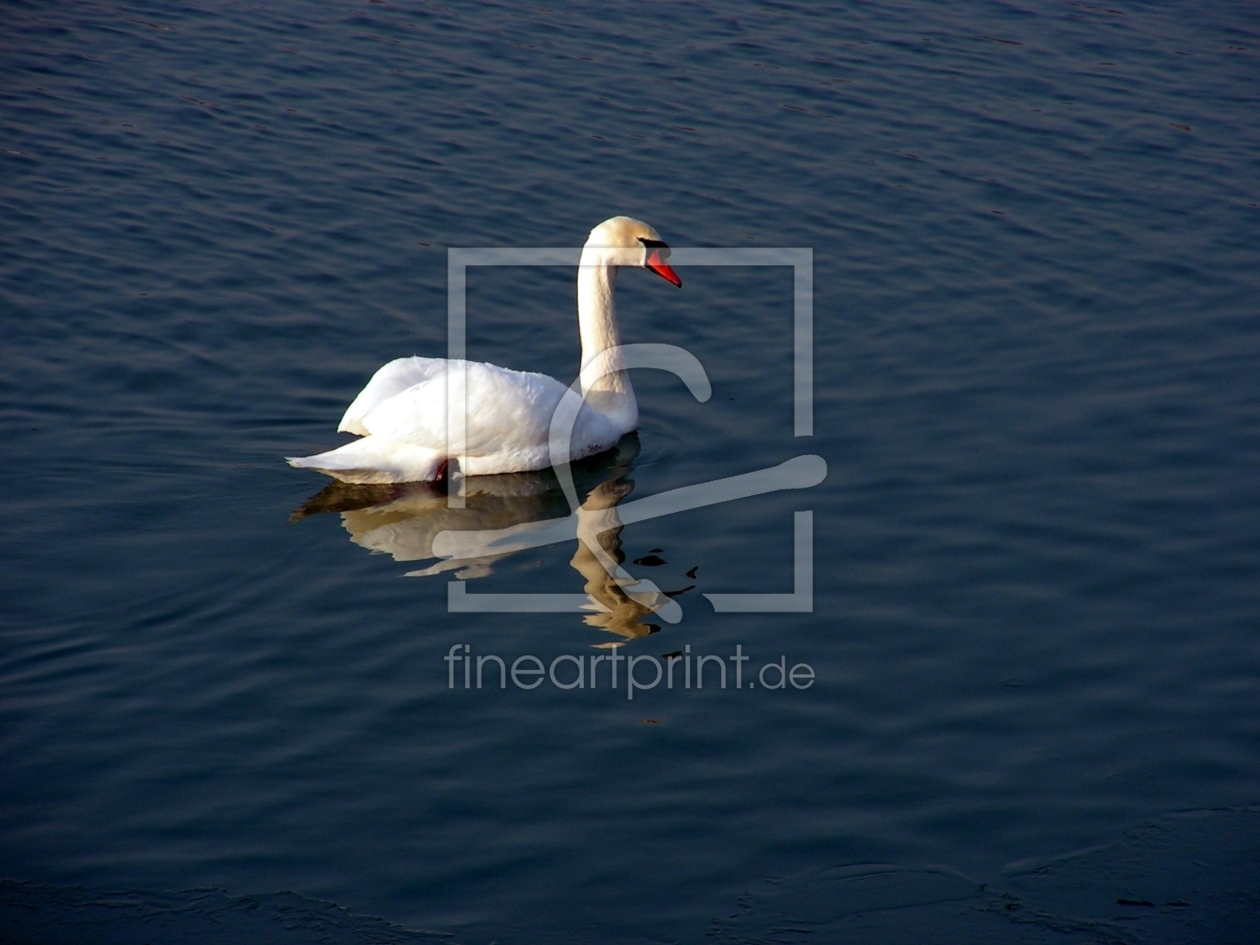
column 1034, row 624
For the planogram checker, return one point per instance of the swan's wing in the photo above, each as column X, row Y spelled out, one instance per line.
column 508, row 411
column 391, row 380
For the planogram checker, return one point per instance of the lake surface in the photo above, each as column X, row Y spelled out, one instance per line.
column 1035, row 715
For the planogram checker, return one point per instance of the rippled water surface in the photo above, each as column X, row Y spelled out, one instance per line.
column 1034, row 230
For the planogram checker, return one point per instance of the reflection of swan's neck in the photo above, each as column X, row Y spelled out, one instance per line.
column 611, row 394
column 598, row 553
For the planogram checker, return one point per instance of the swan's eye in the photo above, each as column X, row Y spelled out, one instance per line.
column 661, row 247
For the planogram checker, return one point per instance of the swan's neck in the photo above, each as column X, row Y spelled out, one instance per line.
column 611, row 394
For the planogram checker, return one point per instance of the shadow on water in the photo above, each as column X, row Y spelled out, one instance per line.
column 404, row 519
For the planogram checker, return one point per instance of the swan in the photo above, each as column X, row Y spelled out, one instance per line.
column 400, row 416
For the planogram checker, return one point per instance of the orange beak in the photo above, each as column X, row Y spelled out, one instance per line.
column 662, row 269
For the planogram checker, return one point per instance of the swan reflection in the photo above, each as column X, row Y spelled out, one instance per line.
column 403, row 520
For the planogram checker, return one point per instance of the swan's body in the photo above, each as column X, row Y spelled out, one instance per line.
column 402, row 413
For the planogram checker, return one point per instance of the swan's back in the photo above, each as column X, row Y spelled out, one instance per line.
column 402, row 413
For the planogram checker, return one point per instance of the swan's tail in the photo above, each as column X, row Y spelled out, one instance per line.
column 372, row 460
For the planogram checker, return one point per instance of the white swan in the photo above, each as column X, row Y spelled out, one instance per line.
column 401, row 414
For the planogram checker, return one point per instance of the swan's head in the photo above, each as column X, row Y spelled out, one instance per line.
column 625, row 241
